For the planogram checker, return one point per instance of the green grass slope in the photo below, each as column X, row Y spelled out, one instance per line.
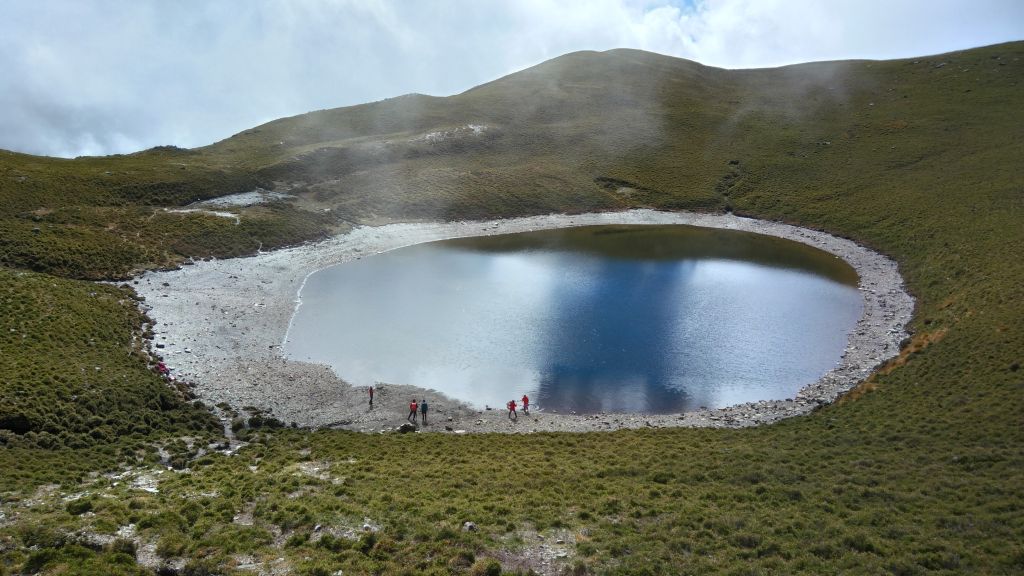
column 99, row 218
column 917, row 471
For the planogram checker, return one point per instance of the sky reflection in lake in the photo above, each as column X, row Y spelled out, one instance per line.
column 656, row 319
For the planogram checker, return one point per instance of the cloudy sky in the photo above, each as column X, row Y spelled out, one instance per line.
column 112, row 76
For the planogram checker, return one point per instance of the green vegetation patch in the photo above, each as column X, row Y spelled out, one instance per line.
column 917, row 471
column 75, row 370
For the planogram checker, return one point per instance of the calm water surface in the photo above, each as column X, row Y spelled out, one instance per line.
column 655, row 319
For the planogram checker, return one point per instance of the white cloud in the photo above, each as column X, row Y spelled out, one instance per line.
column 110, row 76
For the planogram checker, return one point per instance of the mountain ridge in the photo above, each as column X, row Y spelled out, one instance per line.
column 917, row 471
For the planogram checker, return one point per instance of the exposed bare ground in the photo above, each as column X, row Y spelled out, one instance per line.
column 221, row 324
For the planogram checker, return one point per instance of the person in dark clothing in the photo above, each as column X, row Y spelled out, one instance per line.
column 423, row 411
column 412, row 411
column 371, row 395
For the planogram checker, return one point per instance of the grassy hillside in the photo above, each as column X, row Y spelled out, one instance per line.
column 917, row 471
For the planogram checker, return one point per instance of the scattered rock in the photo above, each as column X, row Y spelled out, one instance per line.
column 248, row 363
column 469, row 527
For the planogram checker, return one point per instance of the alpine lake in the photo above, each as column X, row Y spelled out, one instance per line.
column 631, row 318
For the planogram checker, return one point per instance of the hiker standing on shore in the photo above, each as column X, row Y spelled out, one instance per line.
column 512, row 410
column 423, row 411
column 412, row 411
column 371, row 395
column 526, row 404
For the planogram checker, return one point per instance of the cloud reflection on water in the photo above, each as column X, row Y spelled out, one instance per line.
column 574, row 330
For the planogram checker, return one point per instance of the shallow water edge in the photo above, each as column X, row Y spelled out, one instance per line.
column 617, row 319
column 221, row 324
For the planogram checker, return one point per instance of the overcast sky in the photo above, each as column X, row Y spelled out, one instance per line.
column 105, row 77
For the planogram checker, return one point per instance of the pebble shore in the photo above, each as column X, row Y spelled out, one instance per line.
column 220, row 325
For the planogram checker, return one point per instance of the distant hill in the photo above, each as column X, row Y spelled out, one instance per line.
column 918, row 470
column 585, row 131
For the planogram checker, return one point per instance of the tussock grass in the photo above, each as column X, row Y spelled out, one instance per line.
column 75, row 371
column 922, row 475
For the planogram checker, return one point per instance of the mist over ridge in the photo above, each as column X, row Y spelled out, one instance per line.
column 916, row 470
column 586, row 131
column 103, row 77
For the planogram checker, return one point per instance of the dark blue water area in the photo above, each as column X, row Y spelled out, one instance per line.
column 580, row 328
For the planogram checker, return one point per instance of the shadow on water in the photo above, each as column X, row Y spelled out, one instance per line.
column 669, row 242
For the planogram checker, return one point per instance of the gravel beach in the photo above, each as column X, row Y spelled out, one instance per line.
column 220, row 325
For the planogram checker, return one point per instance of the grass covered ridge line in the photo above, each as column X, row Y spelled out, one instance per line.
column 920, row 472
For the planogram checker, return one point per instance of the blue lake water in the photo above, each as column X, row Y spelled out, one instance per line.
column 655, row 319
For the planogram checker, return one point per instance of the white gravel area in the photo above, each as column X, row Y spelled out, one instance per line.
column 220, row 325
column 242, row 199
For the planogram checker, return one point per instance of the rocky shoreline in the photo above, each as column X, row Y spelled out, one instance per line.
column 220, row 325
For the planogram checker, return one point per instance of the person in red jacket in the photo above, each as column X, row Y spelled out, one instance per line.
column 512, row 410
column 412, row 411
column 526, row 404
